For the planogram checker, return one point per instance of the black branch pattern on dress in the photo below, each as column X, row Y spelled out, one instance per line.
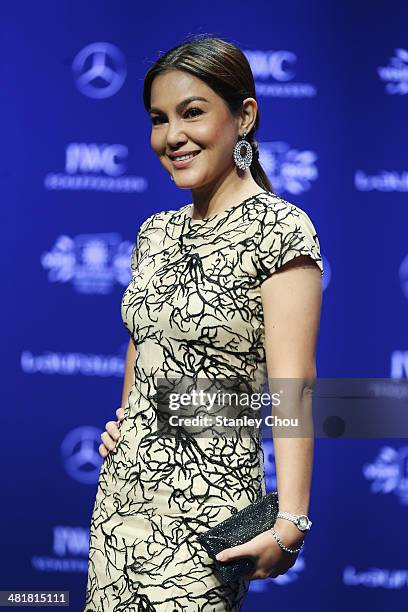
column 193, row 309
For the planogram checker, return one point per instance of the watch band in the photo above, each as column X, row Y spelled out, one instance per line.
column 302, row 522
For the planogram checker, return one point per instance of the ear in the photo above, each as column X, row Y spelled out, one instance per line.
column 248, row 115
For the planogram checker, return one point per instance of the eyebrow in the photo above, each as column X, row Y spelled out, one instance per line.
column 181, row 104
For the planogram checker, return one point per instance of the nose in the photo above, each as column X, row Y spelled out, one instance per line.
column 175, row 136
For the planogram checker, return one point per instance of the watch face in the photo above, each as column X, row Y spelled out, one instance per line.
column 303, row 522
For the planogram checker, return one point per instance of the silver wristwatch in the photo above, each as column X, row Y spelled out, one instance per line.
column 302, row 522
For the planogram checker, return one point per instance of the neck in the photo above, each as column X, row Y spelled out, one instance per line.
column 212, row 199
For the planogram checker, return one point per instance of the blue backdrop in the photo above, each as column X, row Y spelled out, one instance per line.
column 78, row 177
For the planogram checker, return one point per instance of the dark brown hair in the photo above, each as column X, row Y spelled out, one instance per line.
column 223, row 67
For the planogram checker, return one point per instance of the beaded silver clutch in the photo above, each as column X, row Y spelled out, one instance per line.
column 238, row 529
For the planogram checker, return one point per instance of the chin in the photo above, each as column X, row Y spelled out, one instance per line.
column 186, row 183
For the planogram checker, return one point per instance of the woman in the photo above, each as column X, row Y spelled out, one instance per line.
column 227, row 286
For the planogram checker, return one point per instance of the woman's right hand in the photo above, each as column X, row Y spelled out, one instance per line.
column 112, row 434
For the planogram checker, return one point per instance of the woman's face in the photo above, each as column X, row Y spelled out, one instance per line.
column 204, row 126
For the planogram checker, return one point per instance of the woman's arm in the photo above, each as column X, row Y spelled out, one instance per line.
column 291, row 300
column 112, row 433
column 129, row 378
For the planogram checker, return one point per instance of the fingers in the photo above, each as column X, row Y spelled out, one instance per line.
column 273, row 574
column 261, row 574
column 109, row 442
column 120, row 413
column 236, row 552
column 112, row 430
column 109, row 438
column 103, row 451
column 268, row 564
column 112, row 433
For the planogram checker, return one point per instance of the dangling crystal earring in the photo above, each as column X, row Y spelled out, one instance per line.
column 171, row 177
column 243, row 162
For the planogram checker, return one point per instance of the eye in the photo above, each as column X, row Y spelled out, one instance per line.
column 155, row 119
column 200, row 112
column 196, row 112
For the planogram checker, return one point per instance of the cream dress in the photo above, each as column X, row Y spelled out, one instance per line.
column 193, row 308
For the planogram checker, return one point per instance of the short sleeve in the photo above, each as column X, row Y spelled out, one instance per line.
column 285, row 232
column 135, row 256
column 134, row 260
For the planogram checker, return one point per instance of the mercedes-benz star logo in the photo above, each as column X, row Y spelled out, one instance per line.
column 99, row 70
column 80, row 454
